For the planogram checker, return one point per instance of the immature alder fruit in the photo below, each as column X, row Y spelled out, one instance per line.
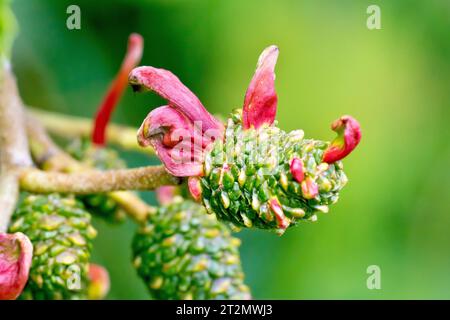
column 61, row 233
column 183, row 253
column 268, row 178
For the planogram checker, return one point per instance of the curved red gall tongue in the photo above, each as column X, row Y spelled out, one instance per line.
column 16, row 253
column 179, row 132
column 161, row 124
column 165, row 194
column 176, row 141
column 169, row 87
column 349, row 136
column 115, row 91
column 260, row 103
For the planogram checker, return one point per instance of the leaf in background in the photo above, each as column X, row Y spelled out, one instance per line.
column 8, row 28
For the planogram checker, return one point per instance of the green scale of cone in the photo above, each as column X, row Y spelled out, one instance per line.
column 183, row 253
column 250, row 169
column 61, row 232
column 102, row 158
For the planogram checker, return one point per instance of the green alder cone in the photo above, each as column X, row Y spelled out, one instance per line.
column 103, row 159
column 249, row 171
column 183, row 253
column 61, row 232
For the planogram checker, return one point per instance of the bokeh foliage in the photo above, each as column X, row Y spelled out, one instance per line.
column 395, row 212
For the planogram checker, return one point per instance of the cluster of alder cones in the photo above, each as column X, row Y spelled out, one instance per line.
column 244, row 173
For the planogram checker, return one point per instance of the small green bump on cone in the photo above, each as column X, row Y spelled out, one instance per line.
column 61, row 232
column 190, row 258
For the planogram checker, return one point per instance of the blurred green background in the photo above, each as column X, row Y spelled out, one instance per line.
column 394, row 213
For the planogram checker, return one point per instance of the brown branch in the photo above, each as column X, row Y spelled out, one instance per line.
column 51, row 157
column 14, row 152
column 94, row 181
column 71, row 126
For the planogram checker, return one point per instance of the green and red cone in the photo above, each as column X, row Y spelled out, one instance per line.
column 183, row 253
column 59, row 227
column 60, row 230
column 249, row 173
column 268, row 178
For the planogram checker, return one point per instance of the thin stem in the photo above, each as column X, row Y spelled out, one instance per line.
column 14, row 152
column 71, row 126
column 51, row 158
column 46, row 154
column 94, row 181
column 134, row 206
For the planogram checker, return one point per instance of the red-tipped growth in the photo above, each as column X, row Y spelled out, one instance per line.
column 297, row 169
column 349, row 135
column 132, row 58
column 282, row 221
column 99, row 282
column 260, row 103
column 179, row 132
